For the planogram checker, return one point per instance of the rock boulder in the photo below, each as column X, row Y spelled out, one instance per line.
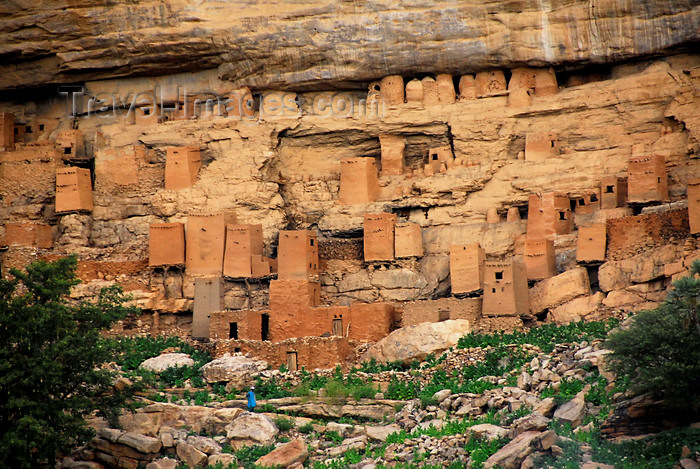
column 417, row 342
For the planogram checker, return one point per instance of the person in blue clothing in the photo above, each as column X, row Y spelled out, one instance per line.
column 251, row 399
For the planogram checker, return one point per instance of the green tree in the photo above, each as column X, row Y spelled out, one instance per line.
column 50, row 353
column 659, row 352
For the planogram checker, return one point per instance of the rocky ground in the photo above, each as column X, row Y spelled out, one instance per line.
column 510, row 405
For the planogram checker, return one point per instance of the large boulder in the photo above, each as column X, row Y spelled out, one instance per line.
column 165, row 361
column 572, row 411
column 559, row 289
column 514, row 453
column 191, row 455
column 289, row 453
column 576, row 309
column 419, row 341
column 251, row 428
column 238, row 370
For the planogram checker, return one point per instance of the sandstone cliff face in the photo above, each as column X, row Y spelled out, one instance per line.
column 283, row 172
column 320, row 44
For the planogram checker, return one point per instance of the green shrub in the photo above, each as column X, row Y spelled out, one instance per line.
column 284, row 424
column 50, row 356
column 306, row 428
column 544, row 337
column 363, row 391
column 333, row 436
column 659, row 352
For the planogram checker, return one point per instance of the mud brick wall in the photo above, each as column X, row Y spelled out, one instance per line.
column 631, row 235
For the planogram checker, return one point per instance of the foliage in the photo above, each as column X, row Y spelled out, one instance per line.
column 659, row 352
column 544, row 337
column 247, row 455
column 50, row 350
column 306, row 428
column 333, row 436
column 568, row 388
column 269, row 389
column 284, row 424
column 480, row 449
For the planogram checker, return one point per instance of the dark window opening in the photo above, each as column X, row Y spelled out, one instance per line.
column 377, row 88
column 41, row 127
column 594, row 198
column 499, row 275
column 146, row 112
column 581, row 201
column 311, row 265
column 311, row 241
column 552, row 142
column 658, row 179
column 493, row 290
column 67, row 150
column 233, row 330
column 609, row 189
column 562, row 215
column 265, row 327
column 28, row 129
column 434, row 156
column 16, row 131
column 443, row 315
column 236, row 350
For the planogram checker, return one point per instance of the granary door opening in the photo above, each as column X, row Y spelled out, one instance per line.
column 338, row 327
column 292, row 361
column 265, row 327
column 233, row 330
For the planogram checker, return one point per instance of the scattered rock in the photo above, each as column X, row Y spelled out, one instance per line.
column 238, row 370
column 165, row 361
column 252, row 428
column 289, row 453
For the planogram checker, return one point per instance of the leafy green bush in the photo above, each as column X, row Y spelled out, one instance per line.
column 306, row 428
column 50, row 356
column 544, row 337
column 363, row 391
column 247, row 455
column 568, row 388
column 333, row 436
column 270, row 389
column 284, row 424
column 660, row 350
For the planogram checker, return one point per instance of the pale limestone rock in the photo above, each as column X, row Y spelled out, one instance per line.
column 163, row 463
column 416, row 342
column 380, row 433
column 165, row 361
column 512, row 454
column 190, row 455
column 573, row 411
column 204, row 444
column 289, row 453
column 488, row 431
column 559, row 289
column 237, row 369
column 254, row 428
column 577, row 309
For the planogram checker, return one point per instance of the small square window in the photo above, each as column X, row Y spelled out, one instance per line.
column 41, row 127
column 581, row 202
column 609, row 189
column 499, row 275
column 434, row 156
column 594, row 198
column 28, row 129
column 67, row 150
column 311, row 241
column 562, row 215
